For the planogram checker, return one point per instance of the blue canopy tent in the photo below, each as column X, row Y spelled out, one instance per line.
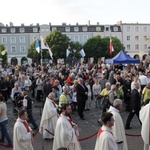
column 122, row 58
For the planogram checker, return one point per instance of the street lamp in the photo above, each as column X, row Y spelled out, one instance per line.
column 74, row 50
column 149, row 54
column 74, row 59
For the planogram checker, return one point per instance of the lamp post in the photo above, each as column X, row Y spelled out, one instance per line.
column 74, row 59
column 149, row 54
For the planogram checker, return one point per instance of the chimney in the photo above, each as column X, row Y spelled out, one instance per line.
column 97, row 23
column 89, row 23
column 11, row 24
column 77, row 24
column 119, row 22
column 64, row 24
column 22, row 24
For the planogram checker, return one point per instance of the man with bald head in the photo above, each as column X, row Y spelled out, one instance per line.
column 118, row 128
column 49, row 117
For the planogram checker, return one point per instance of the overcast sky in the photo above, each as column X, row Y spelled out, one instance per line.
column 73, row 11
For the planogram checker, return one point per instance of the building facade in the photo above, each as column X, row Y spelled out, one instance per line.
column 17, row 39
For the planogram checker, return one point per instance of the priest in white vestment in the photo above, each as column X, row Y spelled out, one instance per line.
column 49, row 117
column 65, row 132
column 105, row 139
column 145, row 131
column 22, row 136
column 118, row 127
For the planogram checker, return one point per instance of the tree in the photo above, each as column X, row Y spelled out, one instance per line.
column 58, row 43
column 93, row 47
column 35, row 56
column 4, row 57
column 75, row 46
column 117, row 45
column 32, row 53
column 99, row 47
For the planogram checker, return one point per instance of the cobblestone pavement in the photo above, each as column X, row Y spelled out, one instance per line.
column 86, row 128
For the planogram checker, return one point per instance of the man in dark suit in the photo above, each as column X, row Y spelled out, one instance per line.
column 135, row 105
column 47, row 88
column 81, row 97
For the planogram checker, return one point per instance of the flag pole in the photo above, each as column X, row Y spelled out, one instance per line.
column 41, row 57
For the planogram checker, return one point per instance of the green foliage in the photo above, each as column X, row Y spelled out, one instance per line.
column 93, row 47
column 35, row 56
column 32, row 53
column 58, row 43
column 75, row 46
column 4, row 57
column 99, row 47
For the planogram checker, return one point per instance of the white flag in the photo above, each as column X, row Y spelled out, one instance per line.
column 3, row 52
column 82, row 53
column 44, row 45
column 67, row 53
column 37, row 46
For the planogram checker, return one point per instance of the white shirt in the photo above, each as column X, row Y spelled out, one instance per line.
column 143, row 79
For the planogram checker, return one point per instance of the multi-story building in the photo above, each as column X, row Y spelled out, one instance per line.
column 134, row 38
column 17, row 39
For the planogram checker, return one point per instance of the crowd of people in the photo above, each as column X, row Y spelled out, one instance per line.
column 62, row 88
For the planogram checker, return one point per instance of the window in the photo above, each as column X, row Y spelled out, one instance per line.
column 145, row 46
column 136, row 29
column 128, row 29
column 4, row 39
column 22, row 49
column 12, row 30
column 136, row 37
column 67, row 29
column 35, row 29
column 69, row 36
column 22, row 30
column 84, row 29
column 107, row 28
column 22, row 39
column 128, row 46
column 4, row 30
column 47, row 30
column 145, row 38
column 145, row 29
column 76, row 38
column 12, row 39
column 98, row 28
column 13, row 49
column 85, row 37
column 128, row 38
column 54, row 28
column 42, row 30
column 76, row 29
column 115, row 29
column 137, row 46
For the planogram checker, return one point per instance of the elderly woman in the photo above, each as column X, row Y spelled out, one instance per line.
column 3, row 122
